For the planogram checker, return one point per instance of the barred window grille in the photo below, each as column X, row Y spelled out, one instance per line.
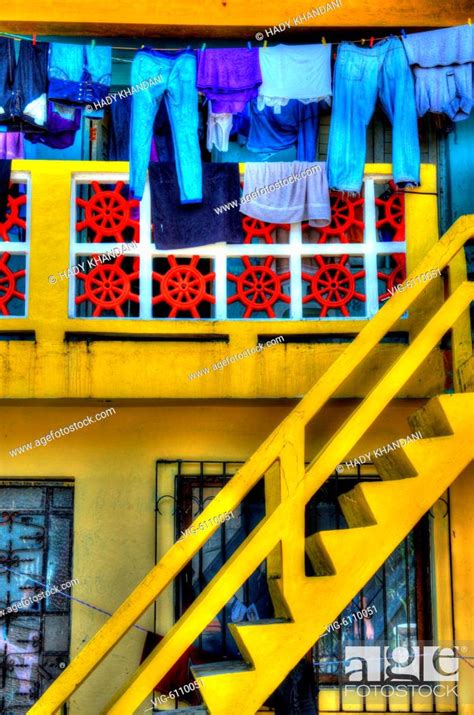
column 35, row 548
column 399, row 591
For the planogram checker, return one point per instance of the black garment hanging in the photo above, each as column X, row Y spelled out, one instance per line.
column 5, row 174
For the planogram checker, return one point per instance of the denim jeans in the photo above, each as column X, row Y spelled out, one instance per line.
column 177, row 71
column 27, row 101
column 5, row 170
column 79, row 74
column 7, row 73
column 361, row 76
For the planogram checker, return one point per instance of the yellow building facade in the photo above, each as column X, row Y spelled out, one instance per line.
column 292, row 415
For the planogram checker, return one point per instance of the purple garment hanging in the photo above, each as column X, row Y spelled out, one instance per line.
column 61, row 127
column 11, row 145
column 229, row 77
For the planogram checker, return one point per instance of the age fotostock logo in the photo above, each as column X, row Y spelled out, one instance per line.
column 426, row 668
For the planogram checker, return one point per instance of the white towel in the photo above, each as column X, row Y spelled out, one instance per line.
column 287, row 192
column 294, row 72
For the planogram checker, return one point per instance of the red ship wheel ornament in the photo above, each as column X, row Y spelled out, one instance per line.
column 333, row 286
column 343, row 217
column 183, row 287
column 8, row 284
column 108, row 287
column 394, row 210
column 258, row 288
column 108, row 213
column 395, row 277
column 255, row 228
column 13, row 216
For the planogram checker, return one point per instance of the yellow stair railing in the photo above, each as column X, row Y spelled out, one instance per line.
column 279, row 537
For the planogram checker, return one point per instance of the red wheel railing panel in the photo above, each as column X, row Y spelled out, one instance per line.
column 183, row 287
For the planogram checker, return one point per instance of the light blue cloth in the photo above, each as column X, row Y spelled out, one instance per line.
column 287, row 192
column 443, row 66
column 79, row 74
column 177, row 84
column 450, row 46
column 361, row 76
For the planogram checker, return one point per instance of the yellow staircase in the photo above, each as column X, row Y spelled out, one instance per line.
column 379, row 514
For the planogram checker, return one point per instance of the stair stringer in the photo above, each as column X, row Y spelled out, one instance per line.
column 271, row 650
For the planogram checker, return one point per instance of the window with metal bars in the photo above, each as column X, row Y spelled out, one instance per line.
column 399, row 592
column 36, row 534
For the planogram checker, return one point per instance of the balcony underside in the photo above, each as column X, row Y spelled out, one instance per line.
column 217, row 18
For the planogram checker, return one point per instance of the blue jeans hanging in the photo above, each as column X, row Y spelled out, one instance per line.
column 177, row 74
column 361, row 76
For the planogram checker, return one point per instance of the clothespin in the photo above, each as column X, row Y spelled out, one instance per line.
column 323, row 40
column 34, row 39
column 203, row 46
column 334, row 55
column 265, row 43
column 469, row 21
column 93, row 43
column 371, row 42
column 404, row 34
column 362, row 42
column 249, row 45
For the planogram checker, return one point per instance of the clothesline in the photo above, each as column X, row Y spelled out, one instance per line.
column 19, row 38
column 363, row 40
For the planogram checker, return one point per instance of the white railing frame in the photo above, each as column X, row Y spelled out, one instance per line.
column 218, row 253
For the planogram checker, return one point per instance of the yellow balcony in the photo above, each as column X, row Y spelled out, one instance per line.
column 73, row 336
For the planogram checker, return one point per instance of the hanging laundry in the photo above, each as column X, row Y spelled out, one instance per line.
column 287, row 192
column 119, row 129
column 162, row 148
column 119, row 133
column 229, row 78
column 79, row 74
column 11, row 145
column 5, row 175
column 63, row 121
column 178, row 226
column 300, row 72
column 443, row 64
column 297, row 123
column 361, row 76
column 218, row 131
column 178, row 87
column 241, row 125
column 24, row 100
column 7, row 74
